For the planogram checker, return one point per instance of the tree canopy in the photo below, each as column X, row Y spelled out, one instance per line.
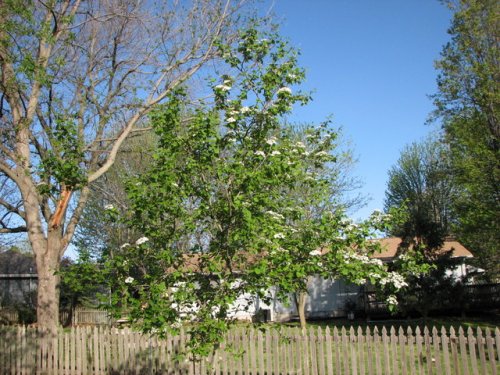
column 468, row 103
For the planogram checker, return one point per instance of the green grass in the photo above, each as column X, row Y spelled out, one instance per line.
column 490, row 322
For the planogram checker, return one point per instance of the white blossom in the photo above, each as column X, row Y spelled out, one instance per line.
column 286, row 90
column 129, row 280
column 223, row 87
column 271, row 141
column 322, row 153
column 275, row 152
column 315, row 253
column 300, row 144
column 245, row 110
column 141, row 240
column 275, row 215
column 230, row 120
column 260, row 153
column 392, row 300
column 279, row 236
column 126, row 244
column 109, row 207
column 395, row 279
column 376, row 262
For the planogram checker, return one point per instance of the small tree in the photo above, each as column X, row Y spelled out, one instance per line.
column 216, row 210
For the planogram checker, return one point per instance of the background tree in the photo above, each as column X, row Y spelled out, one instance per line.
column 468, row 104
column 421, row 184
column 97, row 234
column 76, row 79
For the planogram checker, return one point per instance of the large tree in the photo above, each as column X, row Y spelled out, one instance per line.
column 77, row 78
column 468, row 104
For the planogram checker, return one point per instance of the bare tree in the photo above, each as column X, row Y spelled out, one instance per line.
column 77, row 78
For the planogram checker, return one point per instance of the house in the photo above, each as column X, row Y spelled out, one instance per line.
column 329, row 298
column 390, row 248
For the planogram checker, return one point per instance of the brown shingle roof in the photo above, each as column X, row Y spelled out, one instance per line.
column 390, row 248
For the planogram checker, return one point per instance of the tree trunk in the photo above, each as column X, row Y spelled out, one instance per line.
column 301, row 308
column 47, row 263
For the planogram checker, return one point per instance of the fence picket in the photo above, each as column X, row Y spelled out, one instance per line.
column 345, row 352
column 454, row 351
column 368, row 356
column 463, row 350
column 394, row 350
column 491, row 351
column 410, row 339
column 446, row 353
column 353, row 354
column 497, row 341
column 472, row 350
column 385, row 343
column 338, row 348
column 376, row 346
column 260, row 352
column 480, row 349
column 428, row 354
column 436, row 343
column 329, row 356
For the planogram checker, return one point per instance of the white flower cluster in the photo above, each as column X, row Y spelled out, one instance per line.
column 260, row 153
column 126, row 244
column 141, row 240
column 286, row 90
column 315, row 253
column 279, row 236
column 271, row 141
column 223, row 87
column 379, row 217
column 129, row 280
column 275, row 215
column 362, row 258
column 226, row 86
column 275, row 153
column 395, row 279
column 109, row 207
column 392, row 300
column 322, row 153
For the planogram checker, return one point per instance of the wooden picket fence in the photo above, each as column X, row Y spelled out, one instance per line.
column 82, row 315
column 250, row 351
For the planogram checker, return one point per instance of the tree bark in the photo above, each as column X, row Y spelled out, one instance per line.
column 47, row 255
column 301, row 307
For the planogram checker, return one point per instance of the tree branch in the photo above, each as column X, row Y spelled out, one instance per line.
column 12, row 208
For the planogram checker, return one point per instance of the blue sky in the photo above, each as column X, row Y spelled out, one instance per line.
column 370, row 65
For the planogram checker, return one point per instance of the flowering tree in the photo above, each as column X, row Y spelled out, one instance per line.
column 219, row 209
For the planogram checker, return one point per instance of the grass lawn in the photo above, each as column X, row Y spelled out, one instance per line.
column 483, row 322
